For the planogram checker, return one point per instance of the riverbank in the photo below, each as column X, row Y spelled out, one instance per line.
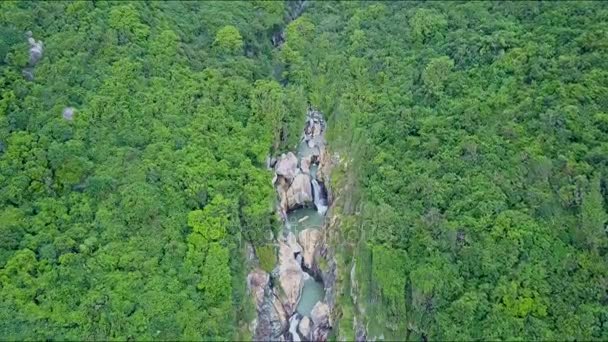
column 291, row 301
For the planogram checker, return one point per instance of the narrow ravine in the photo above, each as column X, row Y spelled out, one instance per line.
column 291, row 301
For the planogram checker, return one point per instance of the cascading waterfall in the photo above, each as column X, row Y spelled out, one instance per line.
column 293, row 328
column 319, row 197
column 295, row 287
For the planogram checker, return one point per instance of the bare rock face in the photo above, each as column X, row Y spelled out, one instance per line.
column 316, row 129
column 282, row 186
column 309, row 240
column 271, row 162
column 305, row 327
column 257, row 281
column 271, row 322
column 287, row 166
column 291, row 278
column 68, row 113
column 278, row 318
column 300, row 191
column 293, row 243
column 320, row 318
column 324, row 165
column 28, row 74
column 320, row 314
column 305, row 164
column 36, row 49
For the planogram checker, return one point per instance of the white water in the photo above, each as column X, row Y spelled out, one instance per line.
column 307, row 217
column 293, row 328
column 319, row 197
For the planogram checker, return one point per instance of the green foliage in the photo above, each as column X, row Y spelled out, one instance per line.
column 228, row 39
column 127, row 222
column 425, row 23
column 436, row 73
column 471, row 135
column 267, row 256
column 594, row 217
column 476, row 135
column 211, row 222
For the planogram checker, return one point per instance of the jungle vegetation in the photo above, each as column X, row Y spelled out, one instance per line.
column 474, row 146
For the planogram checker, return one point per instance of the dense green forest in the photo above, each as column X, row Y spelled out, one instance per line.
column 473, row 144
column 127, row 219
column 477, row 144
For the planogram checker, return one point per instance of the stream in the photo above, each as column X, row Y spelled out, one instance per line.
column 291, row 300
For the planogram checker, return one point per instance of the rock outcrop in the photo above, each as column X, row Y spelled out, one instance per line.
column 282, row 186
column 291, row 278
column 305, row 164
column 305, row 327
column 309, row 240
column 324, row 165
column 287, row 166
column 277, row 296
column 292, row 242
column 257, row 282
column 271, row 322
column 278, row 318
column 299, row 192
column 36, row 49
column 321, row 321
column 68, row 113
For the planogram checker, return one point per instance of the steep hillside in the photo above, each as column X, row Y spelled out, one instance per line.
column 133, row 139
column 474, row 135
column 467, row 201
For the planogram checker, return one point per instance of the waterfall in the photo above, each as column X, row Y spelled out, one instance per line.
column 319, row 197
column 293, row 328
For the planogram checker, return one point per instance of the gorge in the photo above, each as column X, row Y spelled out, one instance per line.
column 291, row 300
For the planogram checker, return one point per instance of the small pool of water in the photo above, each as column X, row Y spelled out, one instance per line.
column 301, row 219
column 312, row 293
column 313, row 171
column 304, row 150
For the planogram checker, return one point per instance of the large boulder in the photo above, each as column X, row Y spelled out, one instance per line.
column 320, row 314
column 305, row 327
column 257, row 282
column 316, row 129
column 292, row 242
column 278, row 318
column 287, row 166
column 320, row 318
column 282, row 186
column 299, row 192
column 305, row 164
column 68, row 113
column 291, row 278
column 324, row 165
column 309, row 240
column 271, row 322
column 36, row 49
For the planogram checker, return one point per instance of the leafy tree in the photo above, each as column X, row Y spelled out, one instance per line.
column 593, row 217
column 228, row 39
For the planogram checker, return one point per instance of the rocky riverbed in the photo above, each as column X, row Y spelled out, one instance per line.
column 291, row 301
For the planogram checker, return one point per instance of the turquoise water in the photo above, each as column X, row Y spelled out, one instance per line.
column 310, row 219
column 304, row 150
column 313, row 170
column 312, row 293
